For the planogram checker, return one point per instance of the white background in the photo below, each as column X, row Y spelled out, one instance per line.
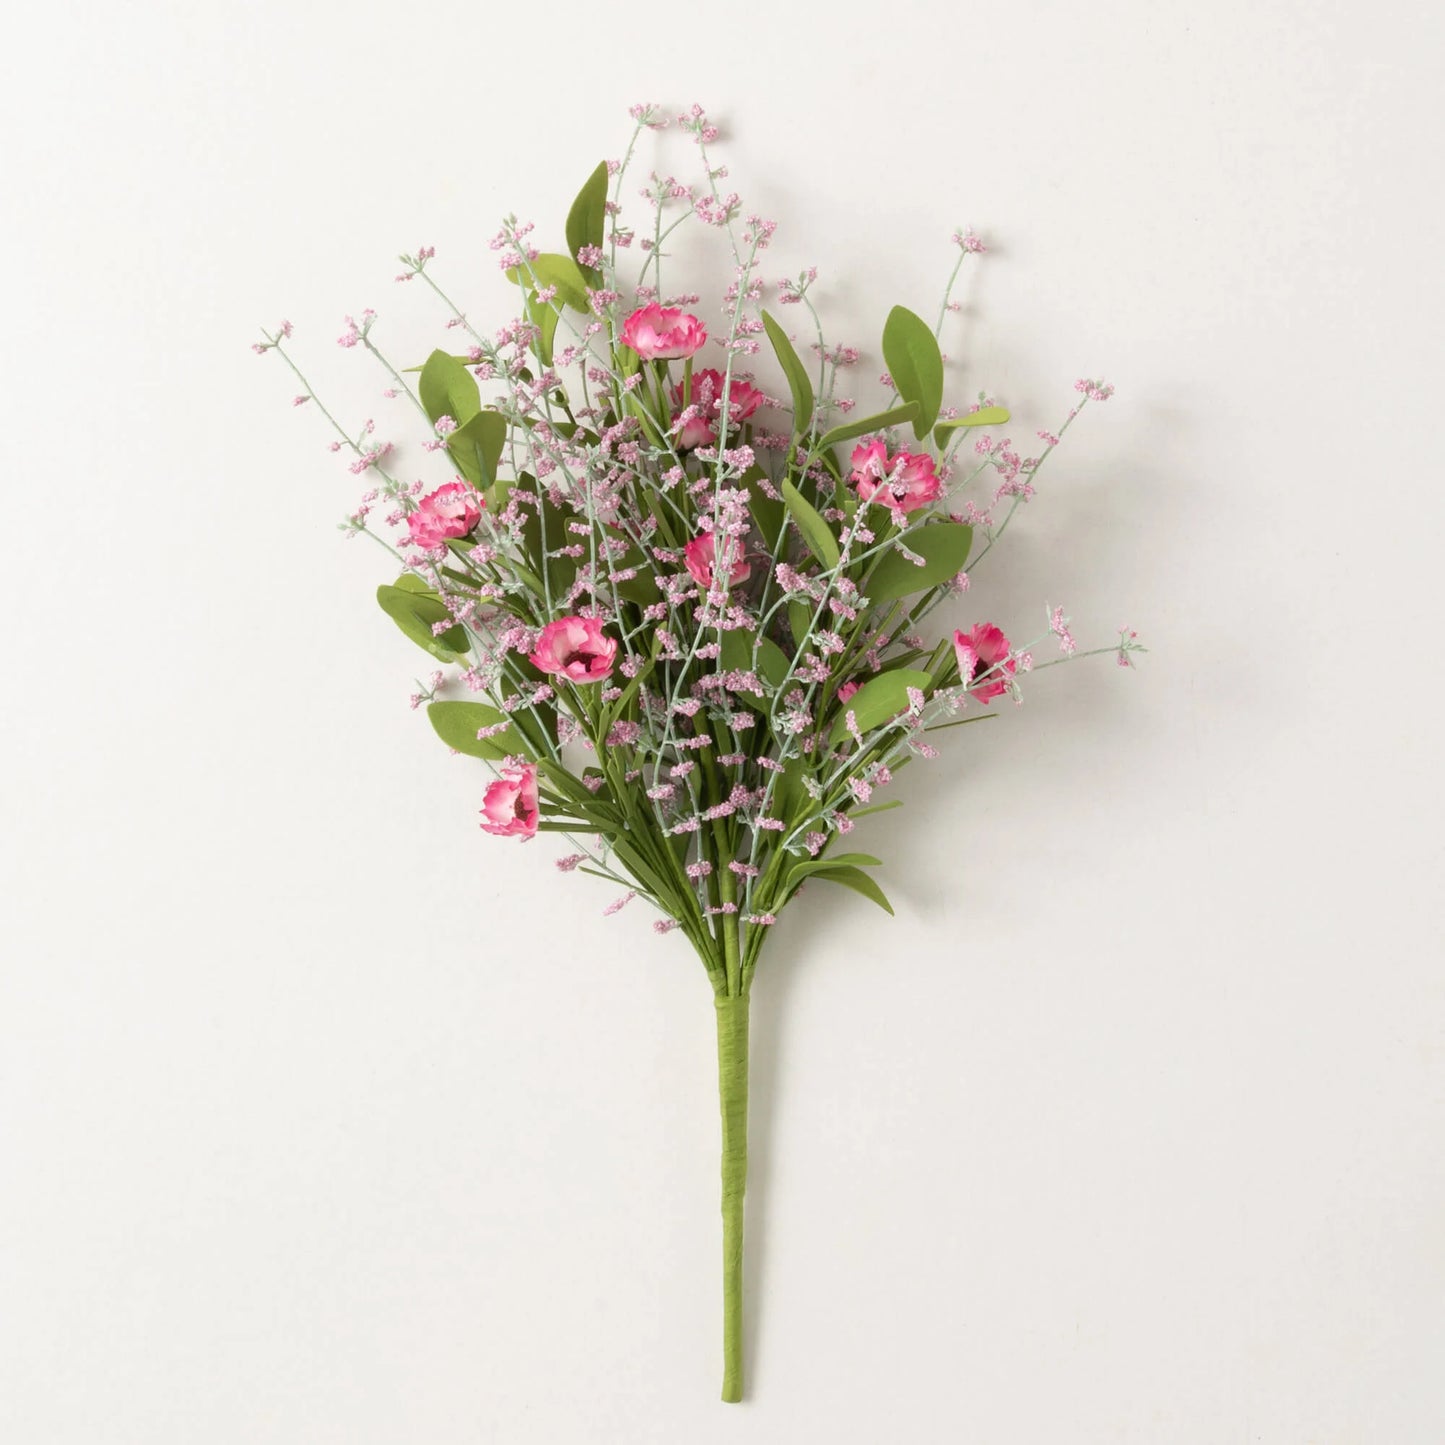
column 325, row 1118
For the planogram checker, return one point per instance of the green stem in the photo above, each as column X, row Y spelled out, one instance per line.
column 732, row 1078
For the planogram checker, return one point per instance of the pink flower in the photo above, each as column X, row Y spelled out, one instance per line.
column 700, row 556
column 663, row 333
column 510, row 807
column 846, row 691
column 985, row 651
column 696, row 431
column 903, row 482
column 706, row 395
column 450, row 511
column 577, row 648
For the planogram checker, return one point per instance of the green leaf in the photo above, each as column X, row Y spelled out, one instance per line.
column 858, row 881
column 796, row 373
column 915, row 364
column 619, row 706
column 736, row 653
column 881, row 422
column 460, row 361
column 767, row 513
column 840, row 860
column 544, row 316
column 587, row 220
column 772, row 662
column 545, row 533
column 633, row 403
column 550, row 269
column 476, row 447
column 447, row 388
column 738, row 646
column 792, row 801
column 457, row 725
column 944, row 547
column 984, row 416
column 641, row 589
column 582, row 802
column 800, row 617
column 960, row 722
column 880, row 699
column 816, row 532
column 880, row 807
column 415, row 612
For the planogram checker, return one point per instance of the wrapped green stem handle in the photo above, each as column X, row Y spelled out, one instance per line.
column 732, row 1078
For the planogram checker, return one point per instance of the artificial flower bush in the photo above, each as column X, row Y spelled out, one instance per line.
column 680, row 609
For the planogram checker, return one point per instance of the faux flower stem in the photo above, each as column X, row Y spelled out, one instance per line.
column 732, row 1077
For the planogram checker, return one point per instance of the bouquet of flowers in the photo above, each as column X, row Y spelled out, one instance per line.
column 679, row 609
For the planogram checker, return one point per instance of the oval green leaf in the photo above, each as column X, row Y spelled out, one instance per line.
column 447, row 388
column 587, row 220
column 544, row 317
column 915, row 363
column 767, row 513
column 879, row 700
column 816, row 532
column 944, row 547
column 457, row 725
column 550, row 269
column 984, row 416
column 796, row 373
column 739, row 646
column 476, row 447
column 415, row 612
column 836, row 860
column 800, row 618
column 880, row 807
column 881, row 422
column 858, row 881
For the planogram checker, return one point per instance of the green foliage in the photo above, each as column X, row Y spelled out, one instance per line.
column 864, row 425
column 800, row 617
column 802, row 869
column 984, row 416
column 457, row 725
column 476, row 447
column 858, row 881
column 544, row 532
column 550, row 269
column 587, row 220
column 944, row 547
column 738, row 645
column 879, row 700
column 768, row 513
column 448, row 388
column 816, row 532
column 414, row 609
column 544, row 316
column 856, row 813
column 641, row 589
column 915, row 364
column 796, row 373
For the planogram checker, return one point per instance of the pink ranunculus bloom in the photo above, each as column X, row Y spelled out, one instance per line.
column 696, row 431
column 450, row 511
column 575, row 648
column 706, row 394
column 663, row 333
column 903, row 482
column 510, row 807
column 847, row 690
column 700, row 557
column 985, row 650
